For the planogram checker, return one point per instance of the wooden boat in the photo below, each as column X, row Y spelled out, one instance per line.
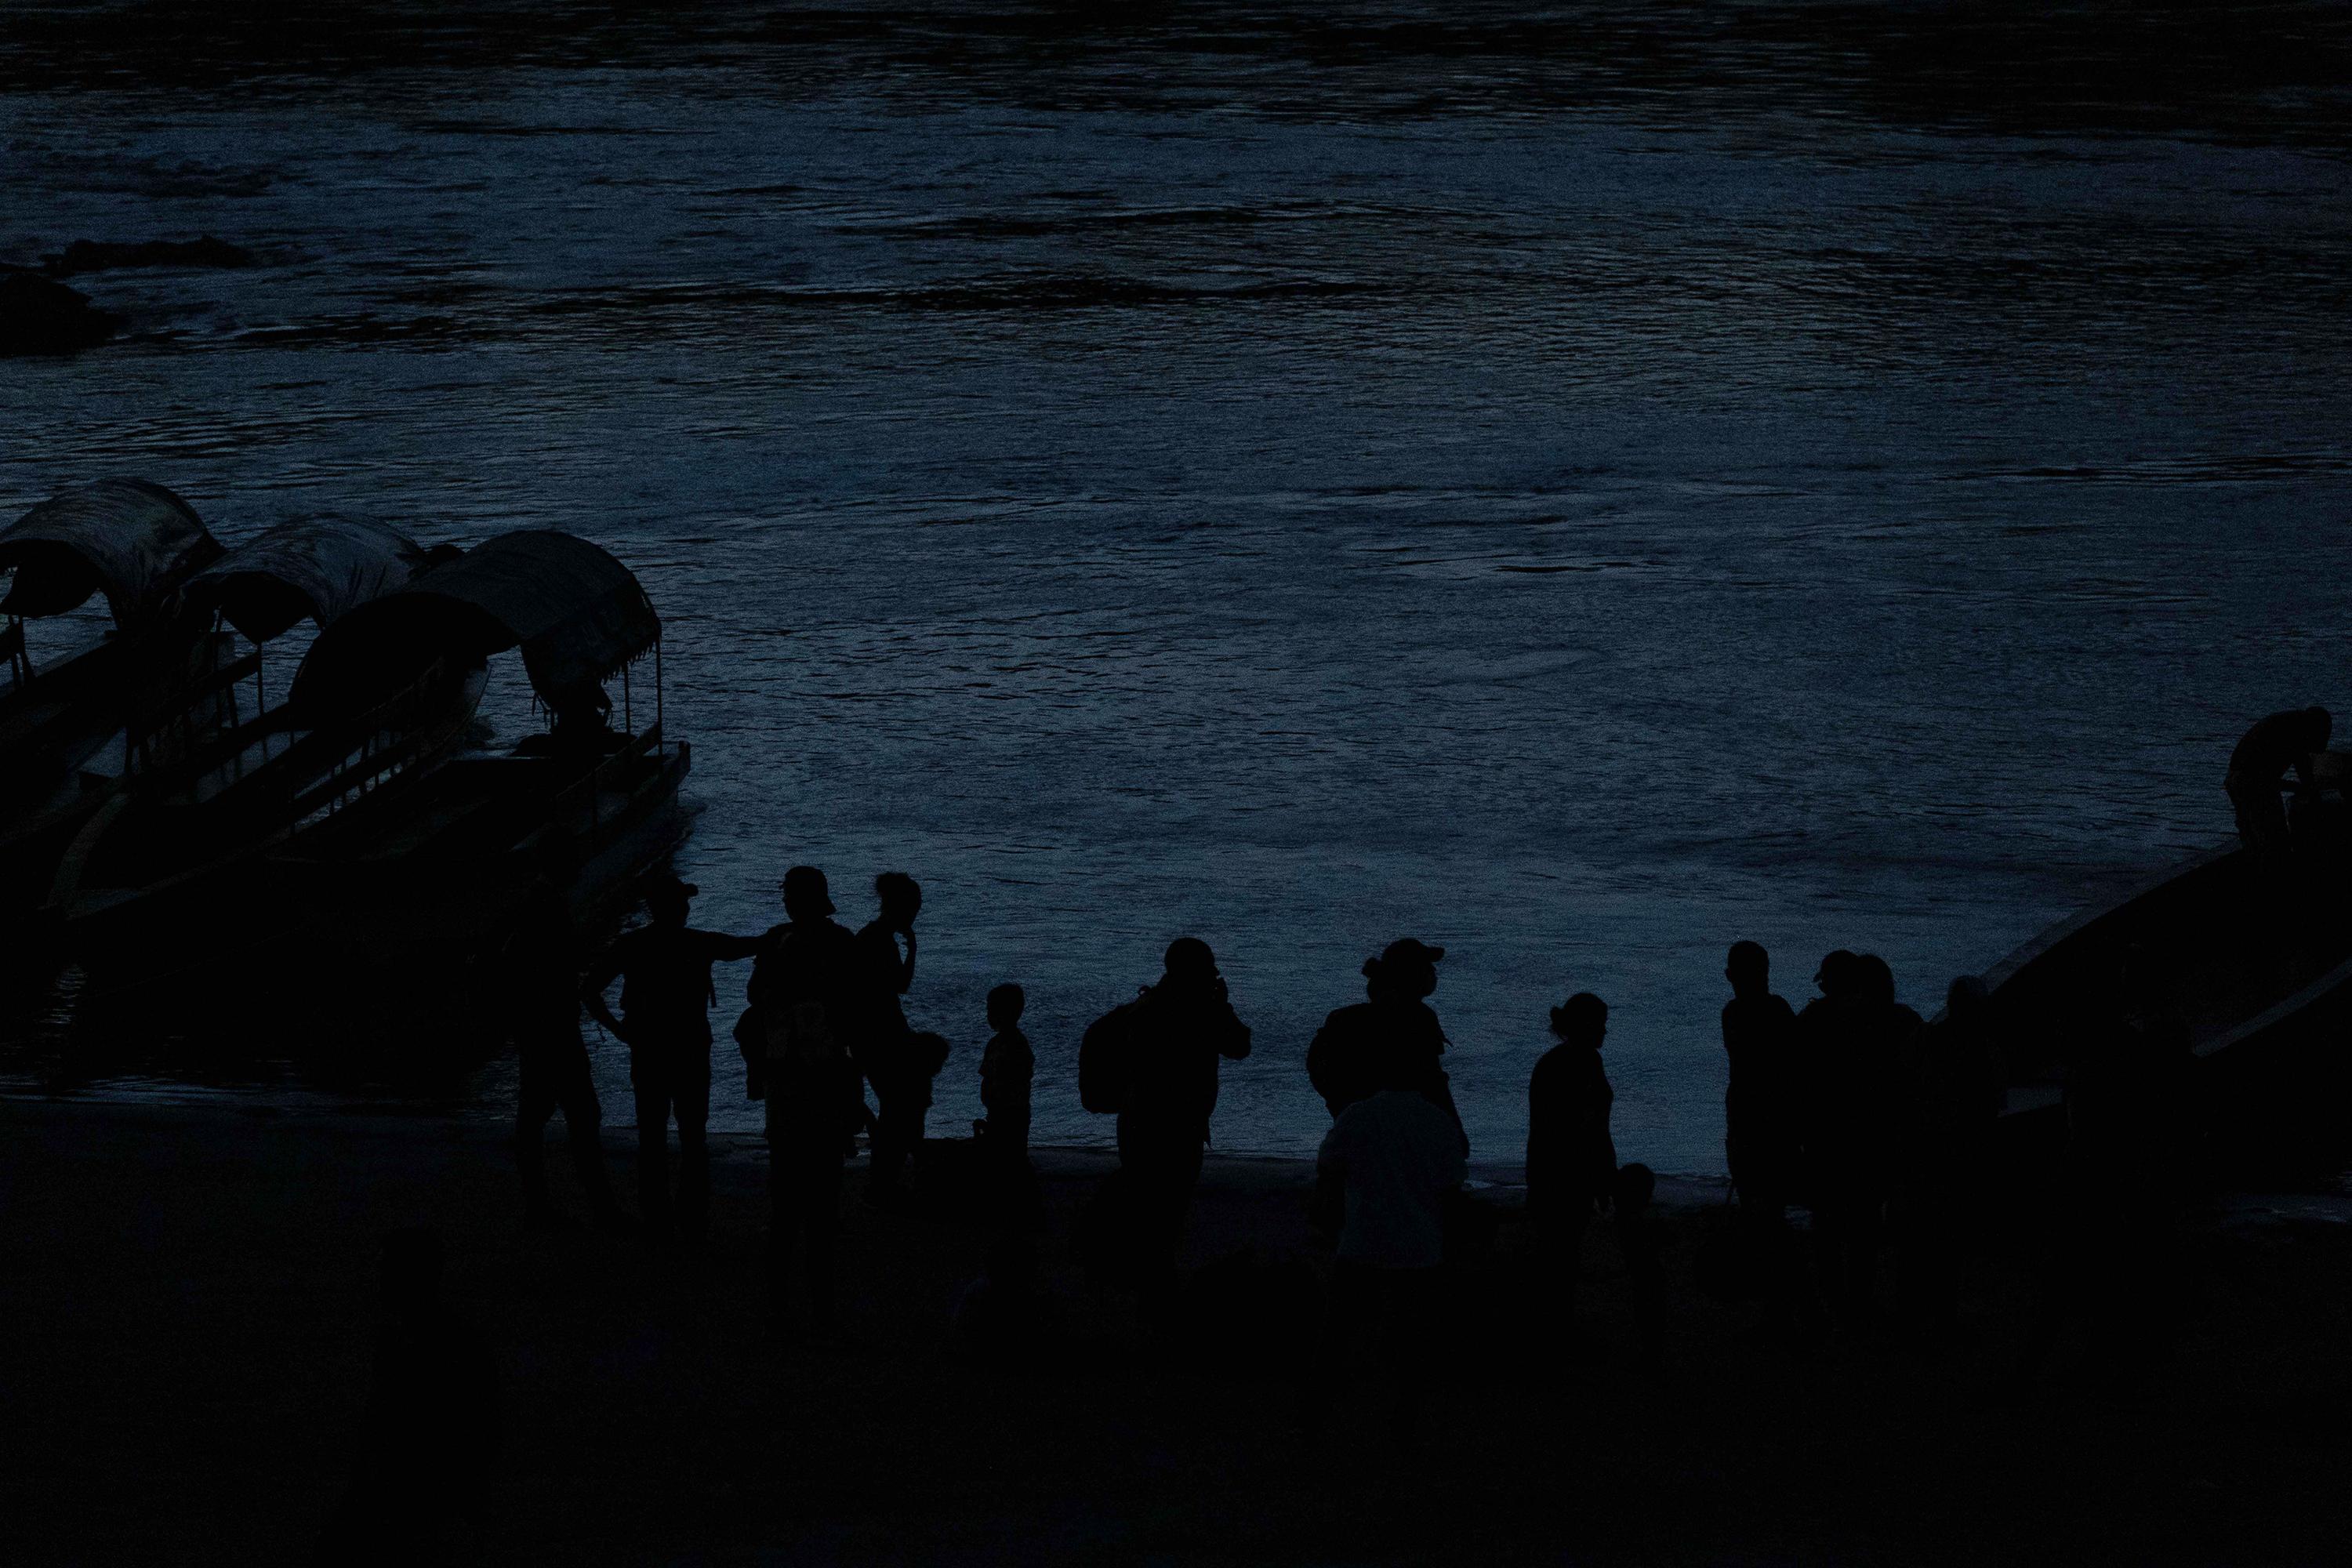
column 206, row 759
column 429, row 879
column 132, row 697
column 418, row 872
column 2257, row 961
column 177, row 835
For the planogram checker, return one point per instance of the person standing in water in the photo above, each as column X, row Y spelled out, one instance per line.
column 1572, row 1160
column 664, row 967
column 805, row 1004
column 1394, row 1034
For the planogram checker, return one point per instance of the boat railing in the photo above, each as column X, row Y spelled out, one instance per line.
column 569, row 803
column 168, row 734
column 391, row 736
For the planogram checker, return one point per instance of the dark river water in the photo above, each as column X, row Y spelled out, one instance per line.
column 1580, row 486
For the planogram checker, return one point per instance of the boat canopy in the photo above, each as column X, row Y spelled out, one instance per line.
column 578, row 615
column 317, row 567
column 133, row 541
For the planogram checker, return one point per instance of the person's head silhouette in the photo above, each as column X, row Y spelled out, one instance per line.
column 1749, row 968
column 901, row 896
column 1838, row 977
column 1405, row 970
column 807, row 897
column 1581, row 1020
column 1005, row 1003
column 667, row 899
column 1190, row 964
column 1873, row 980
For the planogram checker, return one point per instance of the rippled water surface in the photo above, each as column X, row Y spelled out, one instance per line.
column 1579, row 487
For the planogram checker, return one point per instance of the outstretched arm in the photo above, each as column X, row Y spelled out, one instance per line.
column 591, row 991
column 726, row 948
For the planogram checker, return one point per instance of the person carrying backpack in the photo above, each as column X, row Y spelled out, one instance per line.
column 1153, row 1063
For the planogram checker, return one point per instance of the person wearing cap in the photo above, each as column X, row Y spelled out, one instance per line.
column 1361, row 1047
column 664, row 967
column 1571, row 1158
column 807, row 1004
column 2258, row 764
column 1178, row 1030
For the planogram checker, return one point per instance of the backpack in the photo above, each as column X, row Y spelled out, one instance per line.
column 1107, row 1063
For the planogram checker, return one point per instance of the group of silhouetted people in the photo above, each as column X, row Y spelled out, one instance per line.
column 1820, row 1102
column 1851, row 1108
column 1879, row 1124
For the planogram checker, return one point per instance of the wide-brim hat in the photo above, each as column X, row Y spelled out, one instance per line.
column 1405, row 953
column 806, row 884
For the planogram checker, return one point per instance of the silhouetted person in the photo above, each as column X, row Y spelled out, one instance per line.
column 1765, row 1108
column 1761, row 1104
column 1387, row 1165
column 1394, row 1032
column 430, row 1430
column 1947, row 1158
column 582, row 714
column 1641, row 1239
column 1572, row 1160
column 667, row 994
column 1172, row 1037
column 1860, row 1046
column 2258, row 764
column 544, row 990
column 1006, row 1067
column 900, row 1062
column 807, row 990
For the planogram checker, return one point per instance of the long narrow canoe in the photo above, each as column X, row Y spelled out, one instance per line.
column 2259, row 965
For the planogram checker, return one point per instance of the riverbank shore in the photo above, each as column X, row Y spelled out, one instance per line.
column 189, row 1300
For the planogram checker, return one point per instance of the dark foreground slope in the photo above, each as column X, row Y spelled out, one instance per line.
column 187, row 1300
